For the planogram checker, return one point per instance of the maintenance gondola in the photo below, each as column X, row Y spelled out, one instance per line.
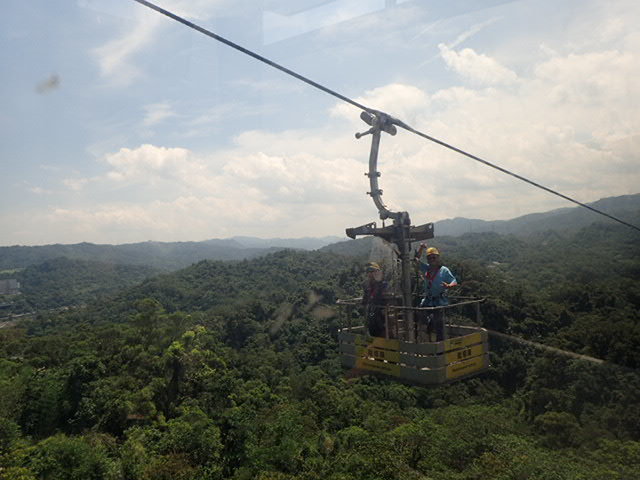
column 403, row 351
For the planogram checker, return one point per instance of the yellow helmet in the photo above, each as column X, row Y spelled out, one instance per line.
column 432, row 251
column 372, row 267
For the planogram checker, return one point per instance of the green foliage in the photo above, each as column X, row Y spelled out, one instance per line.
column 9, row 437
column 559, row 429
column 72, row 458
column 62, row 282
column 230, row 370
column 41, row 414
column 187, row 446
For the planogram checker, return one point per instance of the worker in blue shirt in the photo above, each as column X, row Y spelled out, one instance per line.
column 437, row 280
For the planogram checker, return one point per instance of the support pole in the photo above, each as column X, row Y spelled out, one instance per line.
column 402, row 225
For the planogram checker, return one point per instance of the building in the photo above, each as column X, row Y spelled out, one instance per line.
column 9, row 286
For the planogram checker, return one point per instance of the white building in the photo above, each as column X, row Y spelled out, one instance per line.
column 9, row 286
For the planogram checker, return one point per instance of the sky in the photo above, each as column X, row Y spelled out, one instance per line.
column 120, row 125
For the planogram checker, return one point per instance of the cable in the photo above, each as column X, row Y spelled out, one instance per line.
column 252, row 54
column 547, row 348
column 371, row 110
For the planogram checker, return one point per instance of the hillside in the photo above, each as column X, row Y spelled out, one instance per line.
column 305, row 243
column 569, row 220
column 557, row 227
column 358, row 248
column 229, row 370
column 170, row 256
column 62, row 282
column 160, row 255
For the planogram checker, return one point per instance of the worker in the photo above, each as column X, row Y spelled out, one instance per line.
column 438, row 279
column 373, row 299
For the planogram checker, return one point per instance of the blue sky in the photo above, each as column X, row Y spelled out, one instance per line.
column 120, row 125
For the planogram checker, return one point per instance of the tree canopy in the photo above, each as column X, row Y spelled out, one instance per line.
column 231, row 370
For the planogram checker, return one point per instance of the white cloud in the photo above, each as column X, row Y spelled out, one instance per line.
column 399, row 100
column 156, row 113
column 294, row 176
column 182, row 218
column 473, row 30
column 40, row 191
column 115, row 58
column 477, row 68
column 584, row 148
column 75, row 184
column 302, row 178
column 107, row 216
column 279, row 26
column 569, row 125
column 594, row 78
column 149, row 163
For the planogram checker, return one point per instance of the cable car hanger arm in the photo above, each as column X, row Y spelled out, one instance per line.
column 379, row 122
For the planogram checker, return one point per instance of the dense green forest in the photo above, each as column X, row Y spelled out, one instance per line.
column 229, row 370
column 62, row 282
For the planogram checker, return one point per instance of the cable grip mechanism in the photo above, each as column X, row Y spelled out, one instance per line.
column 379, row 122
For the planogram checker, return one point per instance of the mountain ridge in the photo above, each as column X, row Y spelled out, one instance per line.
column 161, row 255
column 561, row 219
column 175, row 255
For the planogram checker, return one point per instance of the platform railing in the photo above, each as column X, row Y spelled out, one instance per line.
column 400, row 353
column 395, row 315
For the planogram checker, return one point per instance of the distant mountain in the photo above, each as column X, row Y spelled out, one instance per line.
column 626, row 207
column 534, row 229
column 305, row 243
column 360, row 247
column 161, row 255
column 175, row 255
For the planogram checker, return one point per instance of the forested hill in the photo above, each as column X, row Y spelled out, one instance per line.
column 570, row 219
column 63, row 282
column 160, row 255
column 284, row 278
column 229, row 370
column 175, row 255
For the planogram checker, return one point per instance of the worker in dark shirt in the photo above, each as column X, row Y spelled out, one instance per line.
column 374, row 300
